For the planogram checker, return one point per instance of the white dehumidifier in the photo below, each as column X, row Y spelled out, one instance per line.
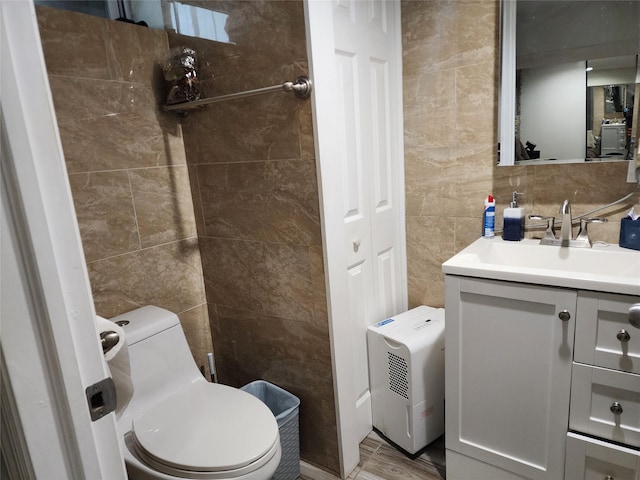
column 406, row 369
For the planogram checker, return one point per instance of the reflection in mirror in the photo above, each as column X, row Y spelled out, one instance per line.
column 569, row 78
column 611, row 107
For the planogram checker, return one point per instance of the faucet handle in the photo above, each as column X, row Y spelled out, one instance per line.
column 583, row 235
column 550, row 233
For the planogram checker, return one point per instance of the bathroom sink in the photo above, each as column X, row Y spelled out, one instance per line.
column 604, row 267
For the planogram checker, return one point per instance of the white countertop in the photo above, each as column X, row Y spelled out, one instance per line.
column 603, row 268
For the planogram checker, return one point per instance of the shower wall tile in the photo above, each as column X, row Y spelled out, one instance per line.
column 168, row 276
column 195, row 323
column 422, row 187
column 305, row 122
column 105, row 213
column 284, row 40
column 429, row 124
column 265, row 34
column 73, row 43
column 252, row 168
column 449, row 107
column 428, row 42
column 426, row 291
column 136, row 53
column 136, row 220
column 475, row 113
column 133, row 142
column 592, row 185
column 262, row 277
column 93, row 47
column 437, row 180
column 163, row 204
column 85, row 98
column 272, row 337
column 477, row 38
column 194, row 182
column 266, row 201
column 466, row 231
column 433, row 90
column 299, row 361
column 430, row 241
column 318, row 280
column 257, row 128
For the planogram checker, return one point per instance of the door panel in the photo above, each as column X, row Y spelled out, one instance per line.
column 357, row 101
column 361, row 36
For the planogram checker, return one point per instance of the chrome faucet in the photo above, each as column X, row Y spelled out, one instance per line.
column 565, row 240
column 565, row 229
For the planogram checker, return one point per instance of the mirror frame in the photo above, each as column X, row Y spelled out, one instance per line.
column 507, row 90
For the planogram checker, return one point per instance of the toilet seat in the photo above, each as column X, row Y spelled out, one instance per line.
column 206, row 431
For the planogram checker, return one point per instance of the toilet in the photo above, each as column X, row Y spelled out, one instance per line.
column 178, row 425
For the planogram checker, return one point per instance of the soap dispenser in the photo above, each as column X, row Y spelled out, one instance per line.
column 513, row 220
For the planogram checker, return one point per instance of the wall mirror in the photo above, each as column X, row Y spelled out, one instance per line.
column 570, row 81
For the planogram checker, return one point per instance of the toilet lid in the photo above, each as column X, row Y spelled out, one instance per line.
column 207, row 428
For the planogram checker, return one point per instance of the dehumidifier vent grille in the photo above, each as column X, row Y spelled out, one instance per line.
column 398, row 375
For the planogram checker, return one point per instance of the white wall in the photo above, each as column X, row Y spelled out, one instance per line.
column 552, row 102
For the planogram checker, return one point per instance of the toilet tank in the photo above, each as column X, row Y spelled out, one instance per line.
column 159, row 356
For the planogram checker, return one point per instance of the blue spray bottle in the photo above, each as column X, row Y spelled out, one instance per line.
column 489, row 218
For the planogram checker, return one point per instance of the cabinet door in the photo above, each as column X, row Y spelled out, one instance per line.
column 508, row 373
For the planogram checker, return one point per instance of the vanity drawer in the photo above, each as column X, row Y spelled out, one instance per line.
column 591, row 459
column 604, row 336
column 605, row 403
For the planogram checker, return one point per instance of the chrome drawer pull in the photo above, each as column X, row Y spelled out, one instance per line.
column 623, row 336
column 634, row 315
column 616, row 408
column 564, row 315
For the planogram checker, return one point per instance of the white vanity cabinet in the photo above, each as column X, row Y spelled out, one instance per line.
column 525, row 397
column 508, row 354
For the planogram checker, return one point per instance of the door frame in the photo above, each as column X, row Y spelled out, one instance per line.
column 49, row 344
column 321, row 50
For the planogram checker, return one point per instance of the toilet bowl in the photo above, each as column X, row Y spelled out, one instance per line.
column 178, row 425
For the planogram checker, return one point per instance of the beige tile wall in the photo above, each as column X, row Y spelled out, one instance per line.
column 253, row 175
column 450, row 61
column 127, row 168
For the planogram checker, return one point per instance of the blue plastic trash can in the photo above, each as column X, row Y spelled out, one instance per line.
column 284, row 407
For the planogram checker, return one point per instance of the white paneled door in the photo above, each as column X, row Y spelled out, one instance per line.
column 355, row 50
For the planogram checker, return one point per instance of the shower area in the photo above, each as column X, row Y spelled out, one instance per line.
column 213, row 215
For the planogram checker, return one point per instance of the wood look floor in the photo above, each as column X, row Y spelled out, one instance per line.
column 381, row 461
